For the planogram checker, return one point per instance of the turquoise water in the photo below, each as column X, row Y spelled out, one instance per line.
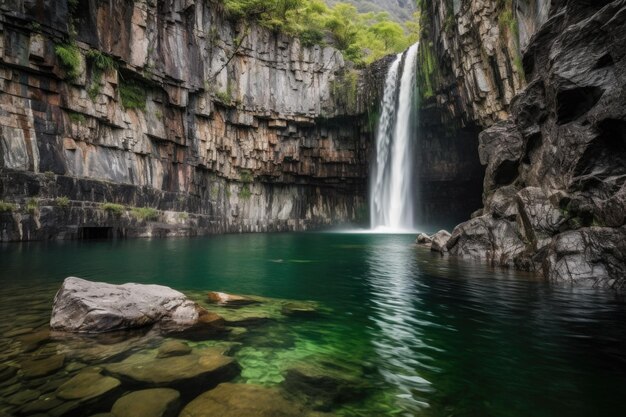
column 429, row 336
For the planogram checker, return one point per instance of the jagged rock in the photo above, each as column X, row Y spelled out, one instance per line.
column 439, row 241
column 190, row 372
column 235, row 400
column 484, row 237
column 540, row 219
column 500, row 148
column 590, row 256
column 173, row 348
column 92, row 307
column 225, row 299
column 554, row 192
column 423, row 239
column 156, row 402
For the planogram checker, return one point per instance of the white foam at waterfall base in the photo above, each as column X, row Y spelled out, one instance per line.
column 392, row 185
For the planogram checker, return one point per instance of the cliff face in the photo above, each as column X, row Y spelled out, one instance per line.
column 554, row 191
column 221, row 126
column 469, row 72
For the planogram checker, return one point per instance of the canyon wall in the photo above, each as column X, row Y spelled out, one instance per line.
column 554, row 148
column 172, row 120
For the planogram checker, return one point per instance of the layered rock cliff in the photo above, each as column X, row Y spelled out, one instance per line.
column 554, row 197
column 160, row 117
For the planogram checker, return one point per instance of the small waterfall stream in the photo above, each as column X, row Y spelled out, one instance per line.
column 392, row 186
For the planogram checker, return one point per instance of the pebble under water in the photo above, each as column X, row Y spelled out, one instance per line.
column 395, row 331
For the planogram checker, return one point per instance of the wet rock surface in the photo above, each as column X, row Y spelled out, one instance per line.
column 93, row 307
column 554, row 184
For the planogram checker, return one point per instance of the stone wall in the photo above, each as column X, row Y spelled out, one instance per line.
column 243, row 129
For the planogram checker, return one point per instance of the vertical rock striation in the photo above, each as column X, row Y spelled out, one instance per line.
column 554, row 190
column 221, row 126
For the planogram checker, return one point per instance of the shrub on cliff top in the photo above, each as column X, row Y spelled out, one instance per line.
column 362, row 37
column 69, row 55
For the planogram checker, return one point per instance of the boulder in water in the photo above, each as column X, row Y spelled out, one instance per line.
column 230, row 300
column 423, row 239
column 439, row 241
column 92, row 307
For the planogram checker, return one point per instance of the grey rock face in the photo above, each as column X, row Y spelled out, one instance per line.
column 253, row 133
column 439, row 240
column 92, row 307
column 554, row 190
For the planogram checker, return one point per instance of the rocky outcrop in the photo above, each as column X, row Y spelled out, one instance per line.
column 554, row 189
column 221, row 126
column 469, row 70
column 93, row 307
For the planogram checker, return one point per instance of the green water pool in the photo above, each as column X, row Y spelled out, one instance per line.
column 418, row 334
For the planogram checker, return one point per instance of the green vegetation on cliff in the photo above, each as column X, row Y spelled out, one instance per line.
column 361, row 37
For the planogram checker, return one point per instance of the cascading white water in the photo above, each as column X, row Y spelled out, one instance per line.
column 391, row 182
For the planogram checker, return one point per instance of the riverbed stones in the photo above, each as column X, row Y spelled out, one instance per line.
column 38, row 367
column 230, row 300
column 87, row 385
column 201, row 368
column 173, row 348
column 23, row 397
column 237, row 400
column 323, row 384
column 299, row 308
column 41, row 405
column 156, row 402
column 91, row 307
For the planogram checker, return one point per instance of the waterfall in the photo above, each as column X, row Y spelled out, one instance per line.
column 392, row 189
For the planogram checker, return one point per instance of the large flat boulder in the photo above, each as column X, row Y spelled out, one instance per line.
column 92, row 307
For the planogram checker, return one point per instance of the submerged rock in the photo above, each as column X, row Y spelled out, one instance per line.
column 323, row 385
column 237, row 400
column 230, row 300
column 92, row 307
column 37, row 367
column 86, row 386
column 156, row 402
column 173, row 348
column 197, row 370
column 297, row 308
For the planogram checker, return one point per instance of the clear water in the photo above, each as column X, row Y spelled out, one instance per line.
column 433, row 337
